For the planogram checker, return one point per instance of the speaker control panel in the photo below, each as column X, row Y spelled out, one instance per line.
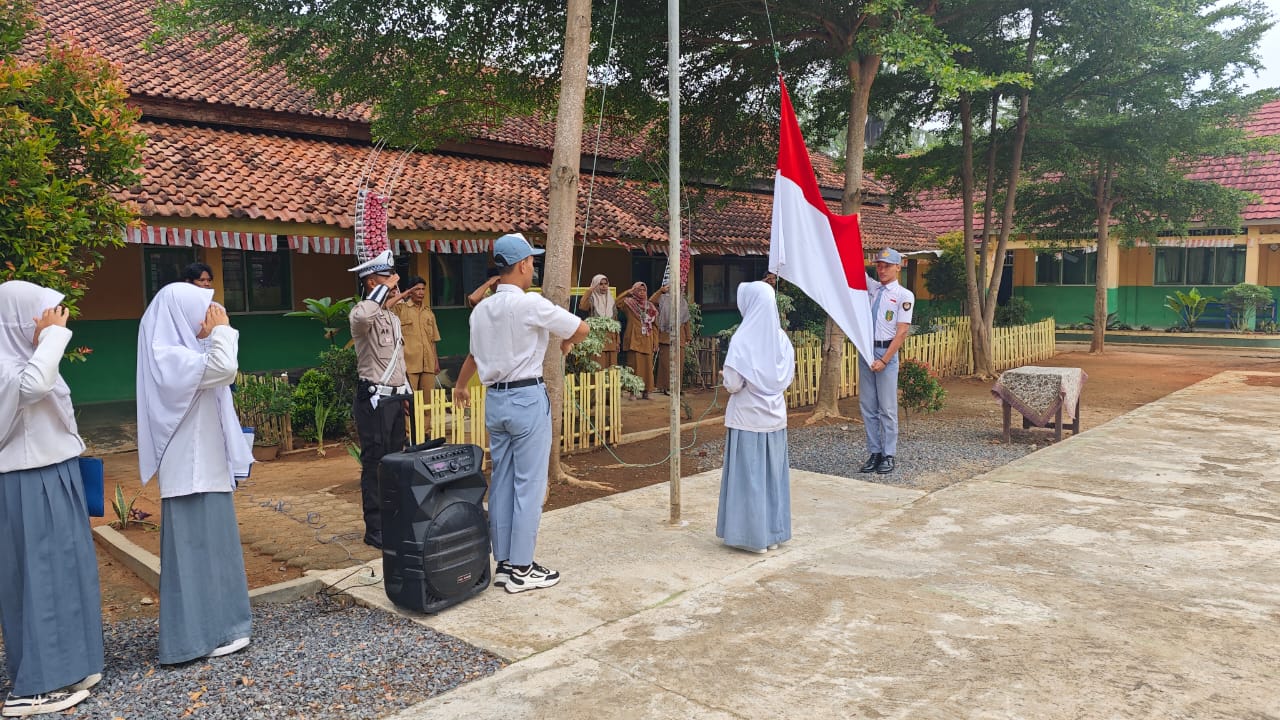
column 449, row 461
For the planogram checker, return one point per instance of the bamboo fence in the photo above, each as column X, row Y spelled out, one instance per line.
column 592, row 413
column 947, row 351
column 266, row 427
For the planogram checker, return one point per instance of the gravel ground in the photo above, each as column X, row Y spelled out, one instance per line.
column 313, row 658
column 932, row 453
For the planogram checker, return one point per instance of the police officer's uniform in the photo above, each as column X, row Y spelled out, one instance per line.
column 379, row 408
column 878, row 391
column 510, row 332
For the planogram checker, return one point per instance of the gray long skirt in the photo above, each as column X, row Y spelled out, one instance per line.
column 50, row 604
column 755, row 490
column 204, row 594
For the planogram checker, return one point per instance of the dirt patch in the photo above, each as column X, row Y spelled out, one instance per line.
column 1262, row 380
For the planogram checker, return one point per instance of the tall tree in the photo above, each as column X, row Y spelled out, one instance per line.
column 1134, row 118
column 68, row 142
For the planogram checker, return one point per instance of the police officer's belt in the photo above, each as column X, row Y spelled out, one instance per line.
column 516, row 384
column 385, row 390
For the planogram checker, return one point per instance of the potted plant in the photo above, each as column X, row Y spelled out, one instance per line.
column 264, row 403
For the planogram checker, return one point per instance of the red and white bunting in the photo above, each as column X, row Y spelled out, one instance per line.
column 461, row 246
column 188, row 237
column 308, row 244
column 1192, row 242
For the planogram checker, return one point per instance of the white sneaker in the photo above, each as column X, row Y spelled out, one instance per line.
column 233, row 646
column 40, row 704
column 533, row 577
column 88, row 682
column 502, row 575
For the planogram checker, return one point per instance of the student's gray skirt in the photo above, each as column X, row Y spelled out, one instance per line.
column 204, row 594
column 50, row 605
column 755, row 490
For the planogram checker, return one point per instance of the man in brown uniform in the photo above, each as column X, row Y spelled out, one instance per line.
column 668, row 319
column 383, row 389
column 418, row 324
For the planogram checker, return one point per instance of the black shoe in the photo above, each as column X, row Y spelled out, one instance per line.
column 872, row 463
column 373, row 539
column 886, row 465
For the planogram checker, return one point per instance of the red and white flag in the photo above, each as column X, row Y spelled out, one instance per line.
column 816, row 250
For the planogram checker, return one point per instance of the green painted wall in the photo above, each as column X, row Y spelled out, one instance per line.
column 1135, row 306
column 1066, row 304
column 713, row 321
column 454, row 331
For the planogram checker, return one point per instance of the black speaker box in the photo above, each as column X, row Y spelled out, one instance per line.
column 435, row 533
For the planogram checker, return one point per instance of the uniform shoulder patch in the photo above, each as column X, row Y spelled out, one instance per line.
column 906, row 306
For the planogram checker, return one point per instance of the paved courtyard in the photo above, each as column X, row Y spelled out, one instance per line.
column 1130, row 572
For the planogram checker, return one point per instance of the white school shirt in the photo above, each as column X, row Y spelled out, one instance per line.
column 510, row 331
column 895, row 306
column 40, row 434
column 750, row 410
column 195, row 460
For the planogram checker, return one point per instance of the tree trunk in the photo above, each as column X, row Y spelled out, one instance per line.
column 980, row 336
column 1104, row 203
column 862, row 72
column 562, row 202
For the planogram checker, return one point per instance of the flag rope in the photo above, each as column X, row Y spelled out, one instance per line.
column 595, row 155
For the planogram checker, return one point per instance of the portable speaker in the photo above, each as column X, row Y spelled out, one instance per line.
column 435, row 533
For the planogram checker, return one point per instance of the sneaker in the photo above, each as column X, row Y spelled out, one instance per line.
column 233, row 646
column 502, row 574
column 532, row 578
column 85, row 684
column 40, row 704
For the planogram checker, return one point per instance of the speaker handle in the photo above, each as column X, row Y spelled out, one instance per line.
column 431, row 444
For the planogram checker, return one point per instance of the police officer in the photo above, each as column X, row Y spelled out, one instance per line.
column 891, row 306
column 509, row 335
column 382, row 390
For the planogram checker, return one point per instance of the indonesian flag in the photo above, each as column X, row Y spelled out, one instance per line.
column 818, row 251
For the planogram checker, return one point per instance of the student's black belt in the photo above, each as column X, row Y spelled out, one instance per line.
column 516, row 384
column 883, row 343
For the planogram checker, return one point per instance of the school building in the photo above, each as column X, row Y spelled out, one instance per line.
column 245, row 172
column 1061, row 283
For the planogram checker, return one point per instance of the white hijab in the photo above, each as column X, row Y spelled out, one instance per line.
column 20, row 304
column 171, row 363
column 601, row 302
column 760, row 351
column 664, row 312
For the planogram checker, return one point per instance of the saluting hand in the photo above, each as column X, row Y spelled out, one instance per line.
column 50, row 317
column 215, row 316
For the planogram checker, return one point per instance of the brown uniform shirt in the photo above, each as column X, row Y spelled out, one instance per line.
column 376, row 332
column 418, row 325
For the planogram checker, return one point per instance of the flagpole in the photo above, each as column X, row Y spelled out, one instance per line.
column 673, row 252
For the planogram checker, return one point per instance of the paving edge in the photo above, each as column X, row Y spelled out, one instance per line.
column 147, row 567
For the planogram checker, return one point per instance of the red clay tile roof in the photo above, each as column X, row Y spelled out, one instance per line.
column 196, row 172
column 1259, row 173
column 940, row 212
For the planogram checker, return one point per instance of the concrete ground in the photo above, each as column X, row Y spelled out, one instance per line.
column 1129, row 572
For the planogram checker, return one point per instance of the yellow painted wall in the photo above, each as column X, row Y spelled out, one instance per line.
column 1269, row 265
column 116, row 291
column 614, row 262
column 1137, row 267
column 318, row 275
column 1024, row 267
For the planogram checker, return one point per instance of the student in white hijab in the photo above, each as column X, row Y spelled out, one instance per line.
column 189, row 436
column 755, row 483
column 50, row 606
column 597, row 301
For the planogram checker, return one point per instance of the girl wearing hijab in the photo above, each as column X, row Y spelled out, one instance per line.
column 641, row 339
column 599, row 303
column 50, row 606
column 189, row 436
column 671, row 321
column 755, row 484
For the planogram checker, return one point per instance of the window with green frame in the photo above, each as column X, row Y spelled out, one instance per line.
column 256, row 281
column 454, row 276
column 1069, row 267
column 1199, row 266
column 163, row 265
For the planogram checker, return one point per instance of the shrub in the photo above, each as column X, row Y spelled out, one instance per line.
column 1244, row 302
column 921, row 391
column 339, row 363
column 580, row 359
column 1017, row 311
column 314, row 388
column 260, row 399
column 1188, row 306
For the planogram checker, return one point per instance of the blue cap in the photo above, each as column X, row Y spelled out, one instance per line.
column 889, row 255
column 511, row 249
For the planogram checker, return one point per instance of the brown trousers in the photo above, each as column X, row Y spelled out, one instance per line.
column 606, row 359
column 663, row 378
column 422, row 381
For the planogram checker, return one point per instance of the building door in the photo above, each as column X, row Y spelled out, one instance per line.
column 1006, row 281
